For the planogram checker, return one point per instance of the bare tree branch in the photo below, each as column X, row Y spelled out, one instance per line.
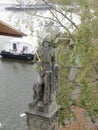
column 42, row 17
column 62, row 25
column 60, row 12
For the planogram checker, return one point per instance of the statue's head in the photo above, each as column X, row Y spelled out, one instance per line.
column 46, row 42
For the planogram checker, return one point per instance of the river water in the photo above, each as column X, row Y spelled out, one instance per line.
column 16, row 81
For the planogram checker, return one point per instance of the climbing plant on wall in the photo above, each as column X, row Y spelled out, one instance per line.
column 78, row 61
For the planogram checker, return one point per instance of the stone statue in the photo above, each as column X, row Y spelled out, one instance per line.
column 45, row 58
column 42, row 114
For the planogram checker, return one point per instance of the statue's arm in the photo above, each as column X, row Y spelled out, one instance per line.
column 35, row 58
column 53, row 55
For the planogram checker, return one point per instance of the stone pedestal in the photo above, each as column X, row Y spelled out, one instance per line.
column 42, row 121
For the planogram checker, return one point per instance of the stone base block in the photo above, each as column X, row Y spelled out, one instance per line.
column 42, row 121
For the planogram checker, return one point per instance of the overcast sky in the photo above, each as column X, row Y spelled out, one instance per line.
column 7, row 1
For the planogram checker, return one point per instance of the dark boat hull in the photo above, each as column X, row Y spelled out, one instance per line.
column 17, row 56
column 32, row 7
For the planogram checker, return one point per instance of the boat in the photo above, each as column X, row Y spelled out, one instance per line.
column 28, row 7
column 18, row 49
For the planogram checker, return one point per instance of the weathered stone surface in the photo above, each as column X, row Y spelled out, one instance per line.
column 42, row 113
column 42, row 121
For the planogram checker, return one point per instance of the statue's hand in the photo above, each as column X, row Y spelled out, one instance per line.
column 39, row 63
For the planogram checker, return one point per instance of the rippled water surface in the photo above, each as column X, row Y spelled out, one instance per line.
column 16, row 81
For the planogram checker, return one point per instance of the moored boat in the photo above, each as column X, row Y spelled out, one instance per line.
column 28, row 7
column 17, row 49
